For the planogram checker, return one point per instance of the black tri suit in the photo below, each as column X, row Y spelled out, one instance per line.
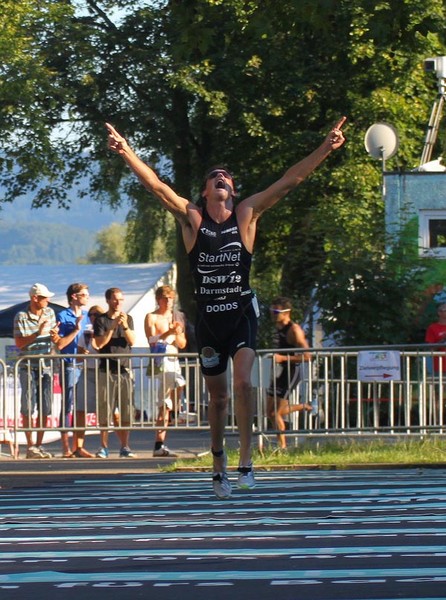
column 284, row 376
column 227, row 307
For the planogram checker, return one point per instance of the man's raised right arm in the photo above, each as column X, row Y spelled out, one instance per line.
column 147, row 176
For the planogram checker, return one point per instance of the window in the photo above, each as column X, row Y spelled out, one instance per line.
column 433, row 233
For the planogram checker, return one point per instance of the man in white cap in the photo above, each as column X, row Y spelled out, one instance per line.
column 35, row 330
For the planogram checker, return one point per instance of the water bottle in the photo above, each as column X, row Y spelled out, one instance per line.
column 88, row 334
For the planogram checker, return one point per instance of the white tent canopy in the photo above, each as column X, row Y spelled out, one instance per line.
column 138, row 283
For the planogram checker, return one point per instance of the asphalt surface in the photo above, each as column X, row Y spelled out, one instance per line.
column 184, row 443
column 325, row 535
column 123, row 528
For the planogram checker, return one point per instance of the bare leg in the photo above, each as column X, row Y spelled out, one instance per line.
column 123, row 436
column 39, row 438
column 244, row 401
column 271, row 407
column 66, row 450
column 104, row 438
column 218, row 409
column 79, row 437
column 28, row 434
column 162, row 421
column 283, row 409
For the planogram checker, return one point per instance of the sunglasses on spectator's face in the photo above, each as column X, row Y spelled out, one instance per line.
column 213, row 174
column 277, row 311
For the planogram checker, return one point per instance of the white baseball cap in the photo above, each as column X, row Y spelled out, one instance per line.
column 38, row 289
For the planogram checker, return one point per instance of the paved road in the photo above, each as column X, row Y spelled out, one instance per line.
column 358, row 534
column 187, row 444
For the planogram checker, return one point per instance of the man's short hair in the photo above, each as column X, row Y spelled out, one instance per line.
column 164, row 290
column 282, row 301
column 75, row 288
column 113, row 290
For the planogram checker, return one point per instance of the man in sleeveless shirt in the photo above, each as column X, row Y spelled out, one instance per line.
column 164, row 329
column 286, row 370
column 219, row 240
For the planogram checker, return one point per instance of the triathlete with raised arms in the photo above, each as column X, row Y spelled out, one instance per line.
column 219, row 240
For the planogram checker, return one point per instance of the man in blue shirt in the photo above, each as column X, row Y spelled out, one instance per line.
column 73, row 321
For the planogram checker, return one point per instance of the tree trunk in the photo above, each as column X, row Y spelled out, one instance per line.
column 182, row 169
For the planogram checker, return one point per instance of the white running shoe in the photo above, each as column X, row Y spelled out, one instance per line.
column 44, row 452
column 35, row 452
column 246, row 479
column 222, row 486
column 164, row 451
column 220, row 482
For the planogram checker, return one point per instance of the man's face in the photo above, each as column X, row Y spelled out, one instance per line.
column 39, row 302
column 165, row 302
column 442, row 311
column 279, row 314
column 82, row 297
column 115, row 302
column 219, row 179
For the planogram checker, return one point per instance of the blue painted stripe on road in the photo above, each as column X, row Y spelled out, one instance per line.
column 227, row 507
column 57, row 577
column 298, row 484
column 221, row 522
column 274, row 533
column 226, row 552
column 427, row 490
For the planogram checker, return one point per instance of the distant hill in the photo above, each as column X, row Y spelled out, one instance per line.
column 51, row 235
column 36, row 243
column 82, row 213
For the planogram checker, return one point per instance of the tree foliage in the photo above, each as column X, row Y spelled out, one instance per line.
column 248, row 83
column 110, row 246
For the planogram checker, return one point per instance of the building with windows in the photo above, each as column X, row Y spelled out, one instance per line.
column 415, row 202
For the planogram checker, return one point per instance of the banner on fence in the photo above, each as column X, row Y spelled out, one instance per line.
column 379, row 365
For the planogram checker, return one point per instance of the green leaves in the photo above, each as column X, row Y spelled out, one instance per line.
column 254, row 85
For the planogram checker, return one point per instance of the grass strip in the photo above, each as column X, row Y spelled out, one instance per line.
column 429, row 450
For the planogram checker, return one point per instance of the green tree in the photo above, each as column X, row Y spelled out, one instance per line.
column 252, row 84
column 110, row 246
column 371, row 299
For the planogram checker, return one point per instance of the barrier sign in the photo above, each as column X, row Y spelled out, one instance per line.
column 379, row 365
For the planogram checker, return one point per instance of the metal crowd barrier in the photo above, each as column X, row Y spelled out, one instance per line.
column 412, row 403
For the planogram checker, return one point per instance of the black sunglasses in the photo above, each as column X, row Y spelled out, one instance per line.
column 213, row 174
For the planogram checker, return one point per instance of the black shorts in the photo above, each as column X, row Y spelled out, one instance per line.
column 286, row 376
column 223, row 328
